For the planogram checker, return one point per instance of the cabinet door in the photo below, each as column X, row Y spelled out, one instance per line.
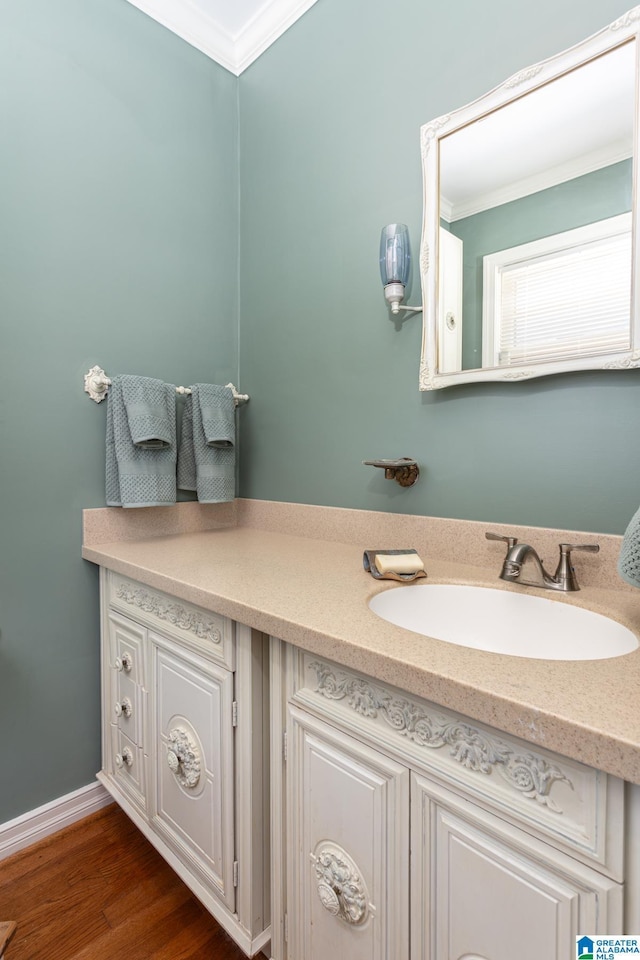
column 348, row 865
column 192, row 751
column 484, row 889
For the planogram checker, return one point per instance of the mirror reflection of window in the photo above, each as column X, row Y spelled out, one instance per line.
column 563, row 296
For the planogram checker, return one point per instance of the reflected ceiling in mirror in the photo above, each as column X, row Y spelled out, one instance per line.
column 527, row 261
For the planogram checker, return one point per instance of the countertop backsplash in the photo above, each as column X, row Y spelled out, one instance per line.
column 435, row 538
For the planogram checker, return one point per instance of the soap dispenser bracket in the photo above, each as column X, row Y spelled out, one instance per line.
column 404, row 471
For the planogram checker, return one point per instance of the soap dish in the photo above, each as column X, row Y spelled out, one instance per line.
column 369, row 564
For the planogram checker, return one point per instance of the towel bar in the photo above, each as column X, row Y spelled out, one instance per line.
column 97, row 383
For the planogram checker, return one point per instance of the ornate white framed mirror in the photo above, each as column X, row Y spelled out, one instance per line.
column 529, row 260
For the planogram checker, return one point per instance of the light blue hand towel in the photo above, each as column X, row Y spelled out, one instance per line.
column 141, row 442
column 629, row 559
column 207, row 458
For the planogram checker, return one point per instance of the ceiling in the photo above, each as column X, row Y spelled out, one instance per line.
column 232, row 32
column 579, row 122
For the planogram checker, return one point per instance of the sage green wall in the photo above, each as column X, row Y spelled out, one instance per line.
column 595, row 196
column 118, row 227
column 329, row 153
column 119, row 232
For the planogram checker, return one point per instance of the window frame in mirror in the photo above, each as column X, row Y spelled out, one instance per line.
column 621, row 31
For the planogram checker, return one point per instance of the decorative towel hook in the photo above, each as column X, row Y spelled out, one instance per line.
column 97, row 383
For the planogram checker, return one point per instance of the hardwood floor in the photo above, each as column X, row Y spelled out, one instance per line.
column 99, row 891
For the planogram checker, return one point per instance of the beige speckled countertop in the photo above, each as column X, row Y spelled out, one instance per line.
column 312, row 591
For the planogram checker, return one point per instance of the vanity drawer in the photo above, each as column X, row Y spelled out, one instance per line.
column 126, row 644
column 194, row 626
column 128, row 767
column 576, row 807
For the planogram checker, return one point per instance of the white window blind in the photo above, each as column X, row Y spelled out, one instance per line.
column 570, row 299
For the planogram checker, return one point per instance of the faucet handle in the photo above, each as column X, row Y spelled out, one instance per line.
column 511, row 541
column 565, row 574
column 566, row 548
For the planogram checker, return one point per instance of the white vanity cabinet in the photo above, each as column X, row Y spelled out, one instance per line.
column 349, row 840
column 412, row 832
column 483, row 888
column 185, row 709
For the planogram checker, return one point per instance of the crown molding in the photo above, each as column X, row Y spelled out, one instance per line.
column 235, row 52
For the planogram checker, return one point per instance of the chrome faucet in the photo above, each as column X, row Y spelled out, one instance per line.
column 519, row 553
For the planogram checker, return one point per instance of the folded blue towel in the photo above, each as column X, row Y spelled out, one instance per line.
column 629, row 558
column 206, row 458
column 141, row 442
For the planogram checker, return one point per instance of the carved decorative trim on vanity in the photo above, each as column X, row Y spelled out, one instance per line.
column 170, row 611
column 527, row 773
column 341, row 889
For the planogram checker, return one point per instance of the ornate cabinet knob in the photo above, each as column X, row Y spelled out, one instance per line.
column 341, row 888
column 124, row 759
column 183, row 758
column 125, row 662
column 123, row 708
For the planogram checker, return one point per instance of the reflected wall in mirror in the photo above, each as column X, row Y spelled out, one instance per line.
column 528, row 258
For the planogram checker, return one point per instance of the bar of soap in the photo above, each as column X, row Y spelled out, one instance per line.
column 398, row 563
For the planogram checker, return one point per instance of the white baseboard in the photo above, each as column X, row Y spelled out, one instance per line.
column 42, row 822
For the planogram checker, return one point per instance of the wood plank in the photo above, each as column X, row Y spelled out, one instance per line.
column 197, row 943
column 141, row 932
column 154, row 880
column 19, row 865
column 98, row 890
column 61, row 916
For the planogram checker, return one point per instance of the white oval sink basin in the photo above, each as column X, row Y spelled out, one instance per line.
column 502, row 621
